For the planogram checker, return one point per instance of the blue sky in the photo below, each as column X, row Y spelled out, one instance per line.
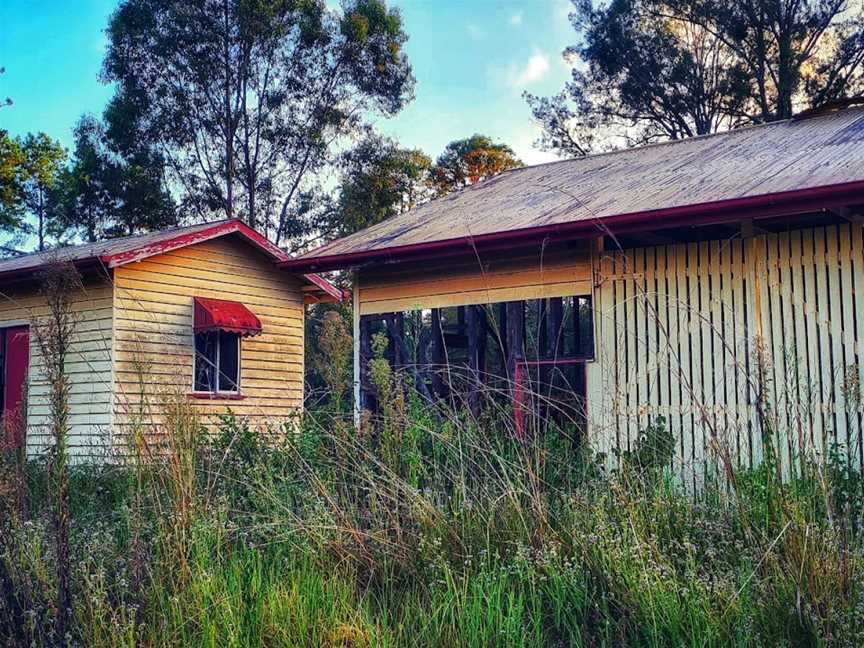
column 472, row 60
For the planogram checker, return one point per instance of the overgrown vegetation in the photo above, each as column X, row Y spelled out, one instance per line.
column 423, row 532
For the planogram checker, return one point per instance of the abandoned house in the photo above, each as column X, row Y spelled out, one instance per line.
column 716, row 282
column 200, row 313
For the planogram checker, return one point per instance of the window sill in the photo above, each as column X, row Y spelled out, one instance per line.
column 215, row 396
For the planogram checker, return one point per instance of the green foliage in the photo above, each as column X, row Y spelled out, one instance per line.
column 654, row 449
column 246, row 99
column 29, row 171
column 106, row 192
column 471, row 160
column 379, row 180
column 444, row 533
column 12, row 174
column 653, row 70
column 44, row 160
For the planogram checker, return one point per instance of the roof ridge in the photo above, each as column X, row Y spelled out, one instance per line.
column 694, row 138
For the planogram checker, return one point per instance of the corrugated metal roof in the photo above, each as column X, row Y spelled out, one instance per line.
column 100, row 249
column 120, row 251
column 760, row 160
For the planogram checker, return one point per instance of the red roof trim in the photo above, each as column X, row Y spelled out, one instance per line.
column 224, row 315
column 229, row 227
column 191, row 238
column 795, row 201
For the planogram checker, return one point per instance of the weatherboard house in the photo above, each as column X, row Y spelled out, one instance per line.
column 200, row 314
column 715, row 282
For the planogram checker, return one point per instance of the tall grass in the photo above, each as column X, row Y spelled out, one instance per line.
column 428, row 529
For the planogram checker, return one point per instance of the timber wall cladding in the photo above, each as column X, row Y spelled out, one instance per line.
column 555, row 271
column 680, row 330
column 154, row 338
column 88, row 366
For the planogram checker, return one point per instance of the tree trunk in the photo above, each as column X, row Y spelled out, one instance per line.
column 228, row 116
column 438, row 357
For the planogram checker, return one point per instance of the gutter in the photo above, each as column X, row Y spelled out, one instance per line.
column 713, row 213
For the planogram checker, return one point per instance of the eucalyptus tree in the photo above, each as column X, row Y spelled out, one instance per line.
column 246, row 100
column 648, row 70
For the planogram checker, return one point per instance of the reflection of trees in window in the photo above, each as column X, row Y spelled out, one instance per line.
column 472, row 346
column 217, row 361
column 2, row 372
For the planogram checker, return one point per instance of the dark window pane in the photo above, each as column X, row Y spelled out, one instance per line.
column 2, row 368
column 229, row 361
column 205, row 361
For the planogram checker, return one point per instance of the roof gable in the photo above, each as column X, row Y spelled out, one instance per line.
column 114, row 253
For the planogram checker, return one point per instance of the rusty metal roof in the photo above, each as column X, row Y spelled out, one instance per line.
column 777, row 158
column 100, row 249
column 128, row 249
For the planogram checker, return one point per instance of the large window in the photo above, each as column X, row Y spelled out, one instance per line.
column 217, row 362
column 2, row 371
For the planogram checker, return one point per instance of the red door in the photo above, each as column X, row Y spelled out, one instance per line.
column 14, row 361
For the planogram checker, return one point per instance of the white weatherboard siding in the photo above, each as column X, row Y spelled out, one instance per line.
column 679, row 330
column 88, row 366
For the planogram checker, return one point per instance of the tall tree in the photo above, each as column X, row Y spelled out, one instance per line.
column 12, row 173
column 109, row 189
column 471, row 160
column 244, row 98
column 43, row 163
column 647, row 70
column 798, row 53
column 379, row 180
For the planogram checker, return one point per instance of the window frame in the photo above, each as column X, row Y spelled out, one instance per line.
column 3, row 336
column 218, row 365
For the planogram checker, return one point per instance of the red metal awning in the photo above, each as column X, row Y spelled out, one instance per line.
column 224, row 315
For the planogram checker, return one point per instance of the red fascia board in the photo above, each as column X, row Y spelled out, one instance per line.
column 229, row 227
column 326, row 286
column 192, row 238
column 732, row 210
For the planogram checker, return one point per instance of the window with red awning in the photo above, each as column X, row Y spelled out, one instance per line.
column 224, row 315
column 219, row 325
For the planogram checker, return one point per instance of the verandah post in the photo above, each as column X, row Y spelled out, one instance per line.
column 438, row 358
column 355, row 299
column 515, row 355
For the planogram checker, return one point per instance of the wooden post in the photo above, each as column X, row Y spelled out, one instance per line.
column 482, row 326
column 355, row 298
column 554, row 319
column 502, row 334
column 438, row 358
column 476, row 334
column 365, row 356
column 515, row 336
column 542, row 333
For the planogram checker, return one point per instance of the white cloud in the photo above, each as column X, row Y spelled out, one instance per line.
column 474, row 32
column 516, row 19
column 522, row 140
column 562, row 9
column 100, row 45
column 535, row 69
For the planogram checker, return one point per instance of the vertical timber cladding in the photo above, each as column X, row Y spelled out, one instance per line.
column 696, row 332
